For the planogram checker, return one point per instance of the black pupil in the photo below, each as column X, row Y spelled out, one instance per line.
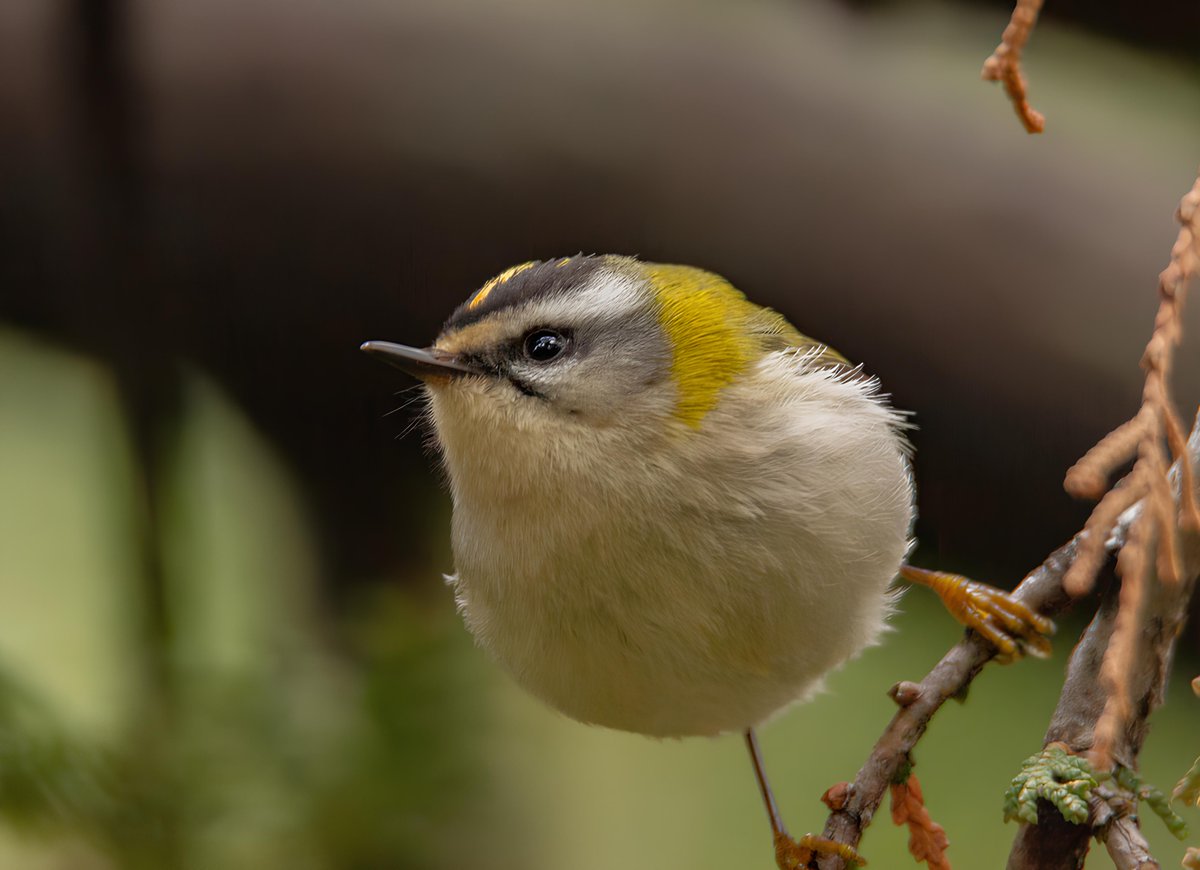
column 544, row 345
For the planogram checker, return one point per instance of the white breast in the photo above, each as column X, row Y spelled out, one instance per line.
column 688, row 582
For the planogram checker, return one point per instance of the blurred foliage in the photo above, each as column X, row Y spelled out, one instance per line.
column 274, row 745
column 47, row 780
column 256, row 775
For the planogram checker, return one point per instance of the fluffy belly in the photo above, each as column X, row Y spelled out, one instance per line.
column 758, row 561
column 677, row 641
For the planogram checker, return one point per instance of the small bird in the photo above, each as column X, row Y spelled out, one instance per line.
column 674, row 514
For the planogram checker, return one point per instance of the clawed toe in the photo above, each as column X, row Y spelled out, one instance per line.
column 1009, row 625
column 793, row 854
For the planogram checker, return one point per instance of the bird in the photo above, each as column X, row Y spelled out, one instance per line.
column 674, row 514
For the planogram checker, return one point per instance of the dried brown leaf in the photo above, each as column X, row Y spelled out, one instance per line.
column 927, row 840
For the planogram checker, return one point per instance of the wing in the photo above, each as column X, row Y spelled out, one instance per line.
column 773, row 332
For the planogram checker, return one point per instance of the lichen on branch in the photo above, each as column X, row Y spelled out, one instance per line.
column 1055, row 775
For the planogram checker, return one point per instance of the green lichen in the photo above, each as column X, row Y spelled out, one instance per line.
column 1053, row 775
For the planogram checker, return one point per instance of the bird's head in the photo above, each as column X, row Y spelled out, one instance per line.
column 564, row 353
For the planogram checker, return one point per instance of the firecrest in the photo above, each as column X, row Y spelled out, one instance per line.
column 674, row 514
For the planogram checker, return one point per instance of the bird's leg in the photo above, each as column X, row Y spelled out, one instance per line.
column 1002, row 620
column 792, row 854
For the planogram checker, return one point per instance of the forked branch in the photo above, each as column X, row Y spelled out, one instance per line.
column 1043, row 591
column 1120, row 667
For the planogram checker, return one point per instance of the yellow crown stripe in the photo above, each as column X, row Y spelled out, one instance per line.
column 491, row 285
column 705, row 318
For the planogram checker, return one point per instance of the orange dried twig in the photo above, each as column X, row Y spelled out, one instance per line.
column 1082, row 573
column 1088, row 478
column 1122, row 646
column 1004, row 65
column 1157, row 434
column 927, row 840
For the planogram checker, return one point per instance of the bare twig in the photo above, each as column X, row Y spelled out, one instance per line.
column 1127, row 846
column 1004, row 65
column 1054, row 839
column 1042, row 591
column 1054, row 842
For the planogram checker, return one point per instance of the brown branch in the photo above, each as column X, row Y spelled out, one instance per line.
column 1004, row 65
column 1055, row 842
column 1053, row 838
column 1118, row 672
column 1042, row 591
column 1079, row 721
column 1127, row 846
column 1125, row 655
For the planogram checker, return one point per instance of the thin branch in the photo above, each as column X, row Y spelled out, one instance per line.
column 1042, row 591
column 1004, row 65
column 1054, row 840
column 1127, row 846
column 1078, row 721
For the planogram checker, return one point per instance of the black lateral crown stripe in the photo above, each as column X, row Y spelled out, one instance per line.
column 543, row 279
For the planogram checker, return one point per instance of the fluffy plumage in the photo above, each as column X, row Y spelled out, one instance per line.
column 682, row 523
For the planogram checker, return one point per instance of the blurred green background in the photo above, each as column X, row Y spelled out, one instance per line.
column 224, row 638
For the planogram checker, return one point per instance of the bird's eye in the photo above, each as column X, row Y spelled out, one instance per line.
column 543, row 345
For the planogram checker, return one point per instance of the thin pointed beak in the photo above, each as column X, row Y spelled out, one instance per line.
column 419, row 362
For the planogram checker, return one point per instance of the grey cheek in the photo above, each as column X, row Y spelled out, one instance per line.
column 654, row 370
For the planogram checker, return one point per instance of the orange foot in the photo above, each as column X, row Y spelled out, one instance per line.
column 794, row 854
column 1006, row 623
